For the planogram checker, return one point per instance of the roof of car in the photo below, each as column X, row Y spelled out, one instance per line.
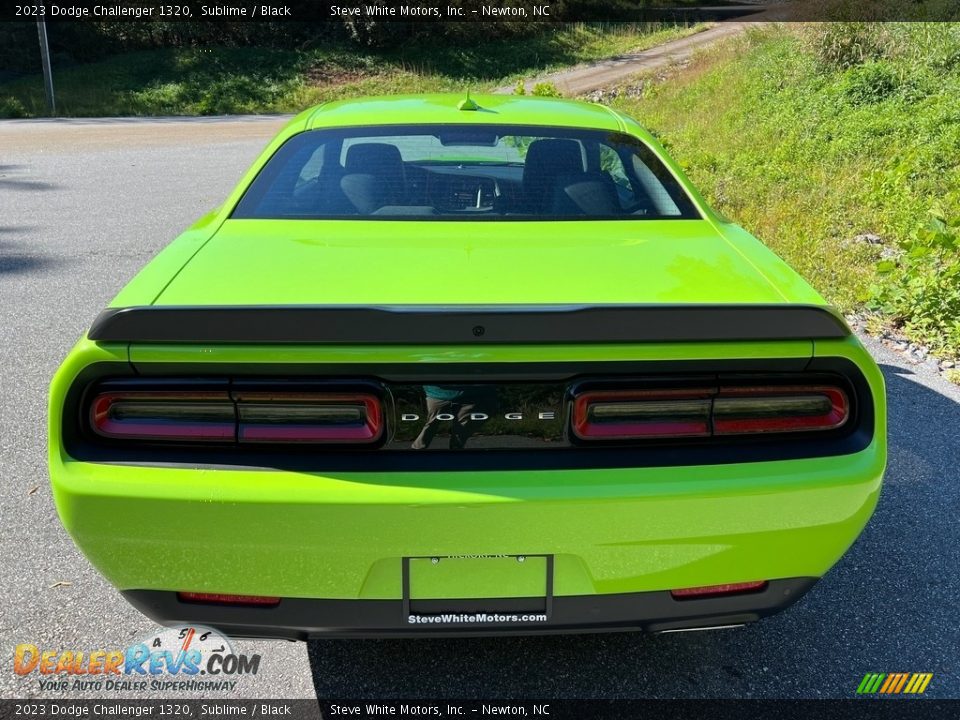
column 450, row 108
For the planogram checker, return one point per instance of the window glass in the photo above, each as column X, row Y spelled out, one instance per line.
column 310, row 171
column 465, row 172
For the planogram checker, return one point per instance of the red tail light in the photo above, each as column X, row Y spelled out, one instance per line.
column 309, row 417
column 779, row 409
column 644, row 414
column 164, row 415
column 221, row 599
column 245, row 417
column 613, row 415
column 719, row 590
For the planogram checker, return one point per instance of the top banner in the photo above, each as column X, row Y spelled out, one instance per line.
column 314, row 11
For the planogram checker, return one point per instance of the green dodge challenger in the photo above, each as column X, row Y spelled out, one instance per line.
column 447, row 365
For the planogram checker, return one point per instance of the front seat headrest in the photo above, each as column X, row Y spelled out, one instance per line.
column 381, row 160
column 545, row 160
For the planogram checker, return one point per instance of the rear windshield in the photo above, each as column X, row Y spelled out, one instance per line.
column 453, row 172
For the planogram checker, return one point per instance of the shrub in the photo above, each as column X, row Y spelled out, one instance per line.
column 870, row 83
column 921, row 288
column 11, row 107
column 546, row 89
column 845, row 44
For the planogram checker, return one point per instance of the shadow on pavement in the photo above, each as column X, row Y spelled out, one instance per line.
column 9, row 181
column 14, row 260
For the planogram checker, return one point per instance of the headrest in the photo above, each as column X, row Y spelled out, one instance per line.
column 552, row 157
column 373, row 158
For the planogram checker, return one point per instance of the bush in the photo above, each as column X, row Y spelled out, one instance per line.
column 870, row 83
column 845, row 44
column 10, row 107
column 921, row 289
column 546, row 89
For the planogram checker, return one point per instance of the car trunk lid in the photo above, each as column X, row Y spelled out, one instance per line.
column 262, row 262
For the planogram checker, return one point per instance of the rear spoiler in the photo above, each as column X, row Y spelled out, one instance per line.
column 466, row 324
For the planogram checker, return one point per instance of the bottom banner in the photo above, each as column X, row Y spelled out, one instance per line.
column 552, row 709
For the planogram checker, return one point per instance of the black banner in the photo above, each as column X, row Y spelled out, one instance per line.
column 315, row 11
column 853, row 709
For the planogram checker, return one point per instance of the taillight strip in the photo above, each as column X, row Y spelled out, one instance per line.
column 265, row 417
column 704, row 412
column 779, row 409
column 613, row 415
column 246, row 417
column 164, row 415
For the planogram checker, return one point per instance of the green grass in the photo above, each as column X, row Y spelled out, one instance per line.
column 249, row 80
column 813, row 136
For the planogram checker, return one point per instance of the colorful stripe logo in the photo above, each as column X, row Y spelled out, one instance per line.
column 894, row 683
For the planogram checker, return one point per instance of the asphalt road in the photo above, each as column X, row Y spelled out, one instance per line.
column 84, row 204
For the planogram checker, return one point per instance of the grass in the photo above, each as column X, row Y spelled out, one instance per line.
column 835, row 144
column 218, row 80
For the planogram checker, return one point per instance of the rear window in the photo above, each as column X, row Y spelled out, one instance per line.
column 455, row 172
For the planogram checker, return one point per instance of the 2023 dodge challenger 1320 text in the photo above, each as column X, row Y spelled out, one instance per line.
column 447, row 366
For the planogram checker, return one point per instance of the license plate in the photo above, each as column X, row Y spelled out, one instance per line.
column 469, row 583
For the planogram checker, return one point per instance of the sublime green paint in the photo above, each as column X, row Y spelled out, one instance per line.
column 383, row 262
column 342, row 535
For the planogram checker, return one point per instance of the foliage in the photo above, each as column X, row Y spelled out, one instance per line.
column 546, row 89
column 234, row 78
column 842, row 45
column 921, row 289
column 831, row 142
column 870, row 83
column 10, row 107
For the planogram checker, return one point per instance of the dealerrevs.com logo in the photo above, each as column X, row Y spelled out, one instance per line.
column 189, row 658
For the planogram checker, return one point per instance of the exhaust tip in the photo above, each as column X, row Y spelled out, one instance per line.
column 701, row 629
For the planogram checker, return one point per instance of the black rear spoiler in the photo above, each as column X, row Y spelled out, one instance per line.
column 466, row 324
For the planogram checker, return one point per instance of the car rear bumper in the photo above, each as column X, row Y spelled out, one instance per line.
column 609, row 532
column 304, row 618
column 333, row 543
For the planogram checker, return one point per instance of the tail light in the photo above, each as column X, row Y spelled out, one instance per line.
column 246, row 417
column 221, row 599
column 164, row 415
column 708, row 591
column 639, row 414
column 779, row 409
column 308, row 417
column 611, row 415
